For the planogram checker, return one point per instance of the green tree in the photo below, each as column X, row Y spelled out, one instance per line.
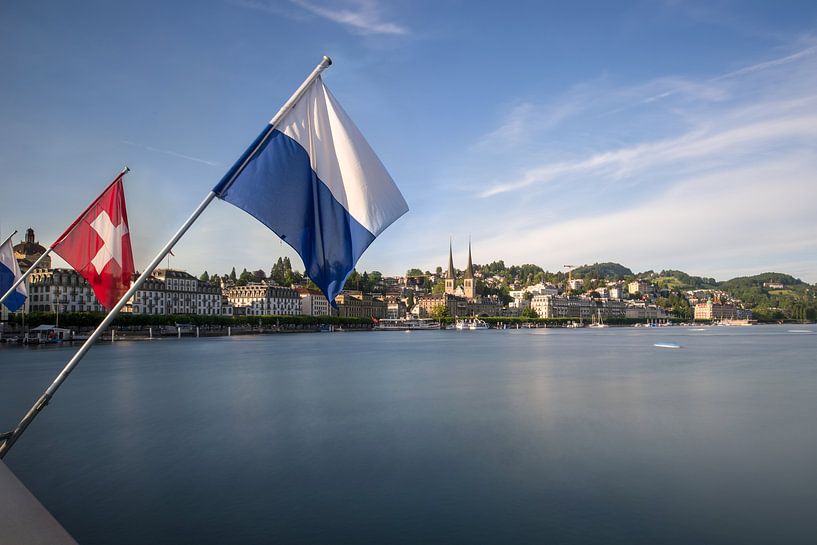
column 245, row 278
column 410, row 300
column 529, row 313
column 232, row 275
column 205, row 277
column 353, row 282
column 439, row 312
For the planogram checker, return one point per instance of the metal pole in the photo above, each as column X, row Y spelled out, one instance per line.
column 49, row 393
column 11, row 437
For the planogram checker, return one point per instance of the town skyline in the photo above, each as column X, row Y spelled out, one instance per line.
column 297, row 265
column 558, row 140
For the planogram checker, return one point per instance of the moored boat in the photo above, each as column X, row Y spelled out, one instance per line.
column 406, row 324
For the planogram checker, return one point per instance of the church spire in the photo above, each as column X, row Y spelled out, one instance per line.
column 450, row 274
column 469, row 270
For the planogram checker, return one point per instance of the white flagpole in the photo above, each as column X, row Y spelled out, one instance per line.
column 48, row 251
column 9, row 438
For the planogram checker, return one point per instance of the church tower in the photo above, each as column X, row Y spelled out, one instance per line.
column 468, row 278
column 450, row 274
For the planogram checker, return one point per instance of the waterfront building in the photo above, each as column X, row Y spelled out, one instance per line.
column 264, row 299
column 171, row 291
column 427, row 303
column 395, row 307
column 313, row 302
column 613, row 309
column 149, row 299
column 716, row 311
column 642, row 311
column 556, row 306
column 60, row 290
column 227, row 309
column 186, row 294
column 356, row 304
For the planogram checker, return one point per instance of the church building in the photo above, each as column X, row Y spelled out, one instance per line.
column 468, row 283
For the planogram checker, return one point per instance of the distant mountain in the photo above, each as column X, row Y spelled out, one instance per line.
column 607, row 271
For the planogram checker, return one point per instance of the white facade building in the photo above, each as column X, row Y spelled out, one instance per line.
column 313, row 302
column 264, row 299
column 170, row 291
column 60, row 290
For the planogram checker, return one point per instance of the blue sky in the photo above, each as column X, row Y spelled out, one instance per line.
column 667, row 134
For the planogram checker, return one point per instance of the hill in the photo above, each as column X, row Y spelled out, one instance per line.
column 606, row 271
column 679, row 280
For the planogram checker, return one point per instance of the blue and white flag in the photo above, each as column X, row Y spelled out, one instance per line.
column 9, row 273
column 318, row 185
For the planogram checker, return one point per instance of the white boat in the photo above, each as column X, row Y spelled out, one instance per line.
column 406, row 324
column 471, row 325
column 597, row 321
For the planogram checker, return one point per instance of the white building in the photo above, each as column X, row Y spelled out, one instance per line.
column 639, row 286
column 264, row 299
column 170, row 291
column 555, row 306
column 313, row 302
column 60, row 290
column 617, row 292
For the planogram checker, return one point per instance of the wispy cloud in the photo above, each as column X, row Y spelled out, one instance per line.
column 693, row 146
column 360, row 16
column 708, row 88
column 172, row 153
column 712, row 174
column 363, row 17
column 758, row 113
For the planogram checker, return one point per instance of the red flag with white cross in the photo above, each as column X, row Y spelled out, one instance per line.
column 97, row 245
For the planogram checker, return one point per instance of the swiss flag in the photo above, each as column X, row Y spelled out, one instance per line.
column 97, row 245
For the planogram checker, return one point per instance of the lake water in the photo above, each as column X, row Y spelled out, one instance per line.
column 528, row 436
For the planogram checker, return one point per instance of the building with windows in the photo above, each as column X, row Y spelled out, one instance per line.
column 264, row 299
column 639, row 286
column 643, row 311
column 716, row 311
column 356, row 304
column 313, row 302
column 556, row 306
column 169, row 291
column 60, row 290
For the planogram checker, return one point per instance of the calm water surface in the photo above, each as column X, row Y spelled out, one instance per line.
column 530, row 436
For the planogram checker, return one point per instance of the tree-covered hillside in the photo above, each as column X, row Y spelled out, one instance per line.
column 606, row 271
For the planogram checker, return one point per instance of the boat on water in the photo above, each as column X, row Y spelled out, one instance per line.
column 471, row 325
column 667, row 345
column 406, row 324
column 597, row 321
